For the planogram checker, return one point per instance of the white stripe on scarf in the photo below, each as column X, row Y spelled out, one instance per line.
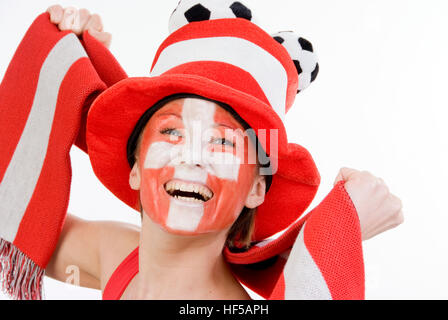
column 24, row 169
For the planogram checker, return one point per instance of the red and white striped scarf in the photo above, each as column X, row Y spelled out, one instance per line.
column 44, row 99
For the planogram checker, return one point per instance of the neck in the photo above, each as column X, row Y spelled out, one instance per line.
column 175, row 267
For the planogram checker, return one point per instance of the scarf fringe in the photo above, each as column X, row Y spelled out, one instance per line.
column 20, row 277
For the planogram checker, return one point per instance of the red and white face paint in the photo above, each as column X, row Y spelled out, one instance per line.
column 193, row 175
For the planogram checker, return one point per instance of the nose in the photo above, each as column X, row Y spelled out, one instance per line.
column 191, row 156
column 191, row 163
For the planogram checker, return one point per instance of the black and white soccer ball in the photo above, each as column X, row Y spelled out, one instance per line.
column 303, row 56
column 188, row 11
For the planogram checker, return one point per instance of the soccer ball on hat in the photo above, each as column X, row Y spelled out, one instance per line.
column 300, row 49
column 302, row 54
column 193, row 10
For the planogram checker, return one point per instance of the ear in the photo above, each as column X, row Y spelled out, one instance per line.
column 257, row 193
column 134, row 177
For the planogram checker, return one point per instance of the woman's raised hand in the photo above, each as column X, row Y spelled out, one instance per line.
column 378, row 209
column 78, row 21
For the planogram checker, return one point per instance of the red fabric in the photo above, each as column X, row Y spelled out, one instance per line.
column 24, row 257
column 241, row 80
column 292, row 190
column 113, row 116
column 45, row 214
column 17, row 81
column 121, row 277
column 278, row 293
column 102, row 59
column 108, row 69
column 332, row 232
column 244, row 29
column 41, row 225
column 332, row 236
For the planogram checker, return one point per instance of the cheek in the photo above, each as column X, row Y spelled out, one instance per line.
column 154, row 156
column 232, row 184
column 149, row 185
column 230, row 201
column 155, row 201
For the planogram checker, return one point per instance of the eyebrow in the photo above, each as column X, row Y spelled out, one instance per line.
column 215, row 125
column 224, row 125
column 233, row 129
column 169, row 114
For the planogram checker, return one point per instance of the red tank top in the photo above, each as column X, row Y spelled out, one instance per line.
column 121, row 277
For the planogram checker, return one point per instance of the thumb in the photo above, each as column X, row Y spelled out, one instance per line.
column 104, row 37
column 56, row 13
column 344, row 174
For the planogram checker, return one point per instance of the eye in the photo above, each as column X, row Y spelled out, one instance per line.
column 222, row 141
column 171, row 131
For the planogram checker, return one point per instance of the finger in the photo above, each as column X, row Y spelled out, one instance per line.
column 104, row 37
column 375, row 232
column 389, row 215
column 396, row 221
column 94, row 23
column 395, row 203
column 338, row 178
column 345, row 174
column 388, row 210
column 80, row 21
column 56, row 12
column 380, row 229
column 68, row 18
column 382, row 185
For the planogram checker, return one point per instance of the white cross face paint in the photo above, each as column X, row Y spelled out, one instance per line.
column 193, row 180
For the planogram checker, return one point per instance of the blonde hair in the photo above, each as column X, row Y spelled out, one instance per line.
column 240, row 234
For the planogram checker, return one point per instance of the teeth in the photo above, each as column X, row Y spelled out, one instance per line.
column 189, row 187
column 188, row 199
column 186, row 187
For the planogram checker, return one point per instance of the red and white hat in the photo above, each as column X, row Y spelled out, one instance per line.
column 217, row 52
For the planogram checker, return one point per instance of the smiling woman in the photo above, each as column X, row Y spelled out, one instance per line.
column 192, row 171
column 212, row 128
column 199, row 148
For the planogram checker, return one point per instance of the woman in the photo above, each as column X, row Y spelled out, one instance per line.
column 186, row 189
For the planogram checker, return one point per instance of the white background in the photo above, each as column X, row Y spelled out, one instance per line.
column 378, row 104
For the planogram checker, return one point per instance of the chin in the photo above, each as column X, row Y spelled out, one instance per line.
column 187, row 233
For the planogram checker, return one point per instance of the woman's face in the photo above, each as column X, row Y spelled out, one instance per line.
column 195, row 168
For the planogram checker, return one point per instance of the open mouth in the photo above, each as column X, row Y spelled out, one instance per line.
column 191, row 192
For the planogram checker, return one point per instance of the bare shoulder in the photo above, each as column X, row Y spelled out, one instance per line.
column 117, row 241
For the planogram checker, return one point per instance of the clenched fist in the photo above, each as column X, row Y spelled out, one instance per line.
column 378, row 209
column 79, row 21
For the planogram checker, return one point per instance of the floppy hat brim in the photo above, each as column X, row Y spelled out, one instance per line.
column 115, row 113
